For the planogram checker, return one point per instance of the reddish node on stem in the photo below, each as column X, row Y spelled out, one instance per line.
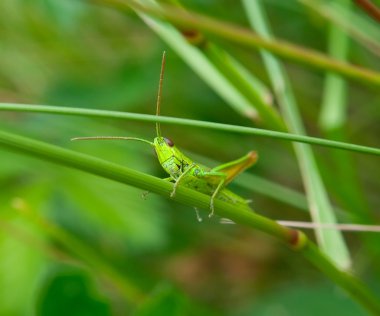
column 297, row 239
column 194, row 37
column 370, row 8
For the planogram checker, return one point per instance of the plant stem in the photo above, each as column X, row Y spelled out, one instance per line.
column 247, row 38
column 293, row 238
column 48, row 109
column 321, row 210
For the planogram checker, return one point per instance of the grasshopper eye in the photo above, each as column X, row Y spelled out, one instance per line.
column 169, row 142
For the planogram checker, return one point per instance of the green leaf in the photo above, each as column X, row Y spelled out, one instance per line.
column 70, row 292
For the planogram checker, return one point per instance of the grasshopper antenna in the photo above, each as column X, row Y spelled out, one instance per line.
column 112, row 137
column 159, row 96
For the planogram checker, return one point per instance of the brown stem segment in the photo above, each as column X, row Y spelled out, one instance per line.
column 245, row 37
column 370, row 8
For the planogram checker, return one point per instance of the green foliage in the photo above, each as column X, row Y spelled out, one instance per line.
column 74, row 243
column 69, row 292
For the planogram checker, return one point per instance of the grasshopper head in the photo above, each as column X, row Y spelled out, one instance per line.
column 164, row 148
column 171, row 159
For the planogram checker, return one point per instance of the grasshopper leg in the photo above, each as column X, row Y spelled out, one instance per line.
column 214, row 195
column 172, row 195
column 218, row 178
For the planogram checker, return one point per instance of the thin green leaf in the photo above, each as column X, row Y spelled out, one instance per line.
column 331, row 242
column 96, row 166
column 360, row 28
column 344, row 181
column 49, row 109
column 247, row 38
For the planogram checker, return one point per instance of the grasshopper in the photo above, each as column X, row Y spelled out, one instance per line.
column 211, row 181
column 183, row 171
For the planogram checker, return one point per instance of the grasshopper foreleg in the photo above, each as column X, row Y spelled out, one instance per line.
column 183, row 174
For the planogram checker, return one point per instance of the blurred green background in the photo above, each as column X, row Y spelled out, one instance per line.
column 163, row 262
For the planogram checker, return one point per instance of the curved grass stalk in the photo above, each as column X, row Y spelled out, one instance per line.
column 344, row 182
column 48, row 109
column 321, row 210
column 229, row 79
column 247, row 38
column 349, row 21
column 293, row 238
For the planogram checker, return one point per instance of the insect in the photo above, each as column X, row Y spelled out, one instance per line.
column 183, row 171
column 211, row 181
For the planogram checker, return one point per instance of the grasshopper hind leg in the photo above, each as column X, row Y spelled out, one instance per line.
column 214, row 195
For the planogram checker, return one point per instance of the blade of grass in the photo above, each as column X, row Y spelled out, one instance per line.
column 248, row 85
column 331, row 242
column 201, row 66
column 211, row 74
column 251, row 86
column 332, row 122
column 247, row 38
column 49, row 109
column 131, row 177
column 333, row 111
column 345, row 181
column 295, row 239
column 364, row 31
column 198, row 52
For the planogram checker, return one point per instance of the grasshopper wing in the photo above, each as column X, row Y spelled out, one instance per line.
column 233, row 168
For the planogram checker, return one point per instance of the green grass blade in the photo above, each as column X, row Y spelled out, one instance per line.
column 201, row 66
column 345, row 181
column 365, row 31
column 247, row 38
column 49, row 109
column 333, row 112
column 134, row 178
column 331, row 242
column 96, row 166
column 249, row 86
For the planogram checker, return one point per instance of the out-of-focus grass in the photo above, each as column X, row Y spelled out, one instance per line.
column 331, row 242
column 74, row 54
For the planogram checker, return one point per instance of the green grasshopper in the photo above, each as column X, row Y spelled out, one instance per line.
column 183, row 171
